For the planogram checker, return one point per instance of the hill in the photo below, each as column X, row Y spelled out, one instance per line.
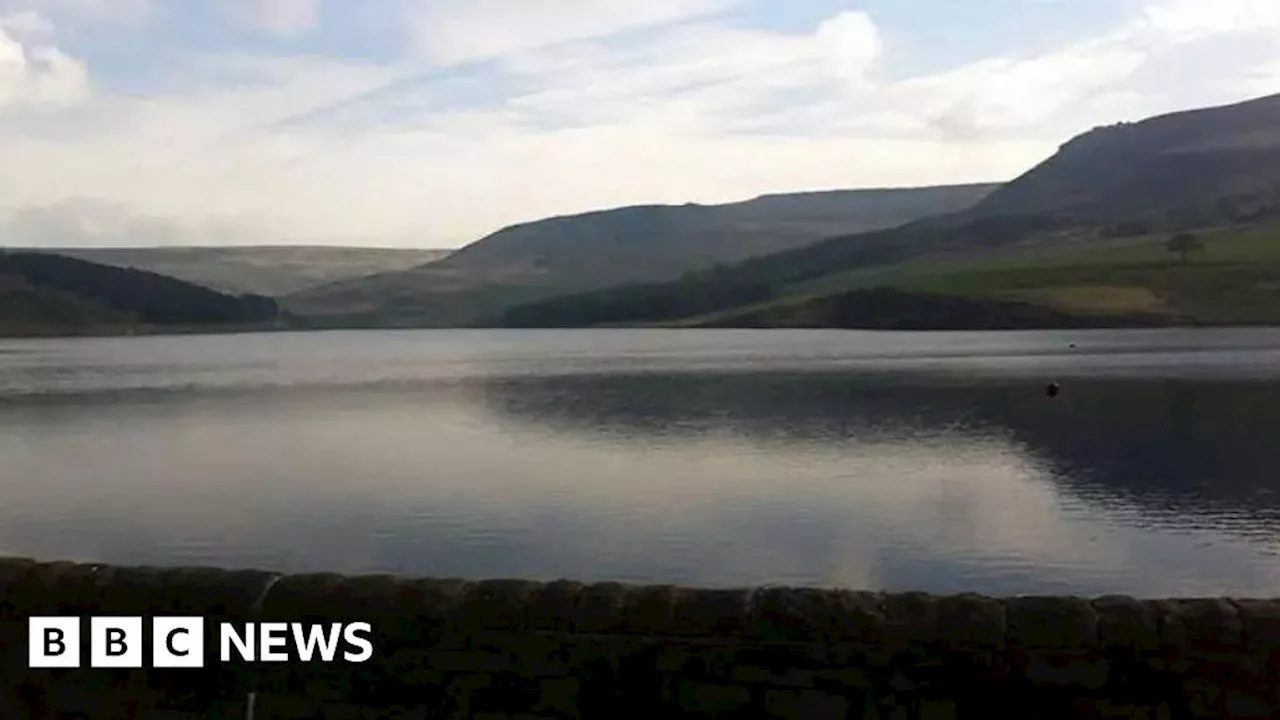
column 1193, row 168
column 1215, row 167
column 261, row 270
column 615, row 247
column 44, row 294
column 1235, row 280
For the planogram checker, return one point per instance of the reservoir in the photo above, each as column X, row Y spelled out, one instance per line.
column 886, row 461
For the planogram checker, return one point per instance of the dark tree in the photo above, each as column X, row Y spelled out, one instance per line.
column 1183, row 244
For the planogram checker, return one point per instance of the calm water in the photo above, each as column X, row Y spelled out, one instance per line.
column 872, row 460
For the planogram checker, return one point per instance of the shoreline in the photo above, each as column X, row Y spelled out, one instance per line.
column 259, row 329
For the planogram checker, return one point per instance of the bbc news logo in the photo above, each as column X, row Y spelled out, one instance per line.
column 178, row 642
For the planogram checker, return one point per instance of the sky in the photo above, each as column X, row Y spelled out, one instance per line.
column 431, row 123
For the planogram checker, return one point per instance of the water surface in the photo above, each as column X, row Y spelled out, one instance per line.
column 923, row 461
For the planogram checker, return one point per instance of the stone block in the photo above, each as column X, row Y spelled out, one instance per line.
column 1083, row 670
column 805, row 705
column 541, row 656
column 385, row 598
column 1110, row 710
column 648, row 610
column 496, row 605
column 971, row 621
column 1204, row 699
column 713, row 699
column 1210, row 624
column 600, row 609
column 819, row 615
column 461, row 661
column 305, row 597
column 766, row 676
column 554, row 606
column 707, row 613
column 63, row 588
column 911, row 619
column 440, row 599
column 1261, row 624
column 937, row 710
column 560, row 697
column 1246, row 704
column 1045, row 622
column 843, row 679
column 463, row 691
column 12, row 573
column 1126, row 623
column 864, row 618
column 414, row 667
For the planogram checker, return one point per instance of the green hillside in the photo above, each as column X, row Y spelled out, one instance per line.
column 1040, row 240
column 608, row 248
column 1235, row 279
column 44, row 294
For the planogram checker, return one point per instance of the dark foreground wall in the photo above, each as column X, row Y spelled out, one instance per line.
column 507, row 649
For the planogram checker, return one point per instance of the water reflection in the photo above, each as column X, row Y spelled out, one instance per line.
column 1180, row 452
column 943, row 481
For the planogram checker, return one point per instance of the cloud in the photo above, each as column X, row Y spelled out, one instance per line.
column 86, row 223
column 27, row 24
column 1001, row 94
column 37, row 74
column 1263, row 79
column 696, row 78
column 1181, row 20
column 69, row 13
column 514, row 112
column 851, row 44
column 452, row 31
column 284, row 18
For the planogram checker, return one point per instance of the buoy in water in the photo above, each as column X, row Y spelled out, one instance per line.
column 1052, row 389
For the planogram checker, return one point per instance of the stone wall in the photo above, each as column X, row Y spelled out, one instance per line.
column 510, row 649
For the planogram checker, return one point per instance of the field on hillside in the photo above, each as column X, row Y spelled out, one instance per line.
column 1235, row 279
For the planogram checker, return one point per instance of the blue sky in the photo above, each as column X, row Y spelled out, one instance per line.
column 433, row 122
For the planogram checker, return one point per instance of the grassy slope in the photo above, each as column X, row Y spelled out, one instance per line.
column 552, row 257
column 1236, row 280
column 264, row 270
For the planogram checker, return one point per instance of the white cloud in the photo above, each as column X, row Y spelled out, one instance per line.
column 38, row 74
column 278, row 17
column 1181, row 20
column 451, row 31
column 699, row 77
column 1000, row 94
column 77, row 12
column 27, row 24
column 689, row 107
column 1261, row 79
column 851, row 44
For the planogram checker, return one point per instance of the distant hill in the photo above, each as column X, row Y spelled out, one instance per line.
column 1208, row 168
column 42, row 293
column 615, row 247
column 1194, row 168
column 262, row 270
